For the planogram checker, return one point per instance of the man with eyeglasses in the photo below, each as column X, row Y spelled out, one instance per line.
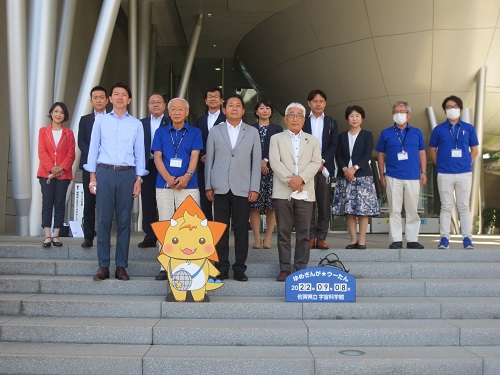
column 232, row 182
column 325, row 129
column 176, row 148
column 453, row 148
column 295, row 157
column 213, row 116
column 401, row 148
column 156, row 119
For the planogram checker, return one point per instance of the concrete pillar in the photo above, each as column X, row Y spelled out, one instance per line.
column 63, row 50
column 19, row 123
column 41, row 83
column 193, row 44
column 132, row 54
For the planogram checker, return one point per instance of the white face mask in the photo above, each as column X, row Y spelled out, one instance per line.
column 453, row 113
column 399, row 118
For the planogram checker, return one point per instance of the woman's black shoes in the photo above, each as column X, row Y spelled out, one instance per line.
column 352, row 246
column 57, row 243
column 47, row 244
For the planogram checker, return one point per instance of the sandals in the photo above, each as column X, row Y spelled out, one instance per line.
column 257, row 245
column 47, row 244
column 56, row 243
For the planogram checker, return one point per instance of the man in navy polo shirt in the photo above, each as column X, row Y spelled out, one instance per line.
column 402, row 149
column 453, row 148
column 176, row 150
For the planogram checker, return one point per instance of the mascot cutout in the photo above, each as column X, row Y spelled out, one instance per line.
column 187, row 247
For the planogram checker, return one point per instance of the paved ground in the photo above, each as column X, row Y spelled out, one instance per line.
column 335, row 240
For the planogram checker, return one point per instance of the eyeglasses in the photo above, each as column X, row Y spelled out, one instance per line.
column 213, row 97
column 403, row 112
column 293, row 115
column 173, row 110
column 153, row 102
column 452, row 106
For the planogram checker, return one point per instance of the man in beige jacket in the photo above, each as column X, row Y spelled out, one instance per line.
column 295, row 157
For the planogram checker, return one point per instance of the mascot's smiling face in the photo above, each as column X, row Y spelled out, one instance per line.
column 188, row 237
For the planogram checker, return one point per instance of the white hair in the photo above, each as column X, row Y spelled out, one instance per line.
column 171, row 100
column 295, row 105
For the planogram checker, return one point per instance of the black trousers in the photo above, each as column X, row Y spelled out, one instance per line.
column 320, row 223
column 205, row 204
column 148, row 199
column 53, row 200
column 226, row 207
column 88, row 208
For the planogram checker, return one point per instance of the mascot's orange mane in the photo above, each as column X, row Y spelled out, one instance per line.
column 190, row 206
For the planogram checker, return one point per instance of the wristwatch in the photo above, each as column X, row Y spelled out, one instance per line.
column 139, row 178
column 423, row 172
column 356, row 167
column 189, row 174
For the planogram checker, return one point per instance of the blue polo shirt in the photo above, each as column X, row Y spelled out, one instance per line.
column 392, row 141
column 167, row 140
column 446, row 137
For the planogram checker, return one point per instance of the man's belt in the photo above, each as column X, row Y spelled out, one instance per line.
column 115, row 167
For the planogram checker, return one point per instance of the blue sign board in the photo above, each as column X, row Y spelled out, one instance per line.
column 320, row 284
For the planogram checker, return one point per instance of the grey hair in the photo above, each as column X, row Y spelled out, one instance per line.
column 171, row 100
column 408, row 108
column 295, row 105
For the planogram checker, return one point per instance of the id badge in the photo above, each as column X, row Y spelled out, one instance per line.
column 403, row 155
column 456, row 153
column 176, row 163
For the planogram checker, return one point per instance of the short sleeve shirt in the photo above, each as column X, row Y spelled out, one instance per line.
column 177, row 144
column 393, row 141
column 446, row 137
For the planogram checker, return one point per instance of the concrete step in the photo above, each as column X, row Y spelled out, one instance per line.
column 427, row 255
column 230, row 307
column 34, row 358
column 254, row 287
column 250, row 332
column 149, row 268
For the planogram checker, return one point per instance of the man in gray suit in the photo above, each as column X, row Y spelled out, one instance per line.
column 295, row 158
column 232, row 181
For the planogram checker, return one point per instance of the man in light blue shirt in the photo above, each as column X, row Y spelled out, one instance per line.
column 116, row 163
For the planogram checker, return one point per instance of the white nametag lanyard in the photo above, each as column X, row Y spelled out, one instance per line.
column 403, row 155
column 456, row 152
column 176, row 162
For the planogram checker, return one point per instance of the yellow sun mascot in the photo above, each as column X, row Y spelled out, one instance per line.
column 188, row 245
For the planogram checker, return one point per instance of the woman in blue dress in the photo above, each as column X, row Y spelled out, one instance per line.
column 263, row 111
column 355, row 196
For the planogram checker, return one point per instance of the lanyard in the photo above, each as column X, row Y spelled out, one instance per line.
column 173, row 142
column 402, row 142
column 453, row 135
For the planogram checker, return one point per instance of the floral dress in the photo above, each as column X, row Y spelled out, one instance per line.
column 265, row 201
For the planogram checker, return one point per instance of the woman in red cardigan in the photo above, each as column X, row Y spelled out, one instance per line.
column 56, row 151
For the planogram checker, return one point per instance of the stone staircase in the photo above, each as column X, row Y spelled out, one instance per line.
column 419, row 312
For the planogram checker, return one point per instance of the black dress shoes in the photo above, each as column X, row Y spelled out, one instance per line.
column 240, row 277
column 121, row 274
column 396, row 245
column 414, row 245
column 102, row 274
column 47, row 244
column 223, row 275
column 87, row 243
column 352, row 246
column 162, row 275
column 145, row 244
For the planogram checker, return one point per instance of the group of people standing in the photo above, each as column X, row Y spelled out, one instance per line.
column 236, row 172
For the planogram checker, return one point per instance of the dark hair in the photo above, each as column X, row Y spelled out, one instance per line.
column 213, row 89
column 313, row 93
column 233, row 96
column 123, row 86
column 456, row 99
column 63, row 107
column 266, row 102
column 98, row 88
column 353, row 108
